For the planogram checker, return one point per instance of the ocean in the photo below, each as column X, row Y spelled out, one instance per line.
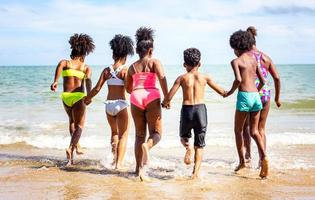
column 33, row 115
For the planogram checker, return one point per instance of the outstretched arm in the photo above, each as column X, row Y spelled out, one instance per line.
column 170, row 95
column 237, row 75
column 58, row 71
column 276, row 78
column 88, row 81
column 214, row 86
column 162, row 79
column 104, row 76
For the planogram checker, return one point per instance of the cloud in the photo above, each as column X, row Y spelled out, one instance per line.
column 289, row 10
column 178, row 23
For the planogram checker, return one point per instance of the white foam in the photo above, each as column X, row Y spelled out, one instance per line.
column 101, row 141
column 290, row 138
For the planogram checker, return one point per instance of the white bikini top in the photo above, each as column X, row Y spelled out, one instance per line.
column 114, row 80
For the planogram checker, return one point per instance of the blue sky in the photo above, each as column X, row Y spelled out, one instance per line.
column 37, row 32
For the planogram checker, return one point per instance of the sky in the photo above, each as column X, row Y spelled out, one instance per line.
column 36, row 32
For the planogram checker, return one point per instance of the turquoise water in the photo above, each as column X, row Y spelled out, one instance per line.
column 25, row 85
column 31, row 113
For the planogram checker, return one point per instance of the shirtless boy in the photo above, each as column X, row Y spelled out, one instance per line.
column 194, row 111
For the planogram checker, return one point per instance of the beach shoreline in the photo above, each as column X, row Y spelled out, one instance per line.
column 34, row 135
column 27, row 172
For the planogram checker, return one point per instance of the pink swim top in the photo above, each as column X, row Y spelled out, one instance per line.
column 144, row 80
column 144, row 89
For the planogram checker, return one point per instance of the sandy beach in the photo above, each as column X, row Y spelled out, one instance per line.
column 31, row 173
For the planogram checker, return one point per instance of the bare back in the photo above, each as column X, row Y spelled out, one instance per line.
column 72, row 83
column 118, row 91
column 193, row 86
column 246, row 66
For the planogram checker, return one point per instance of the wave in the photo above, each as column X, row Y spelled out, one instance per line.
column 97, row 141
column 303, row 104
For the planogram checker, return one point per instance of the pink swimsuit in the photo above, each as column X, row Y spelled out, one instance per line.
column 144, row 89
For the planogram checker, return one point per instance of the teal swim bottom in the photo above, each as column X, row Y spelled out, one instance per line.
column 248, row 102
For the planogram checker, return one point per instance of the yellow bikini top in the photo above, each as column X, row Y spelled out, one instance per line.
column 73, row 72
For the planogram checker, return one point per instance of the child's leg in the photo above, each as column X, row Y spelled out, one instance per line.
column 78, row 113
column 153, row 117
column 71, row 122
column 185, row 142
column 240, row 118
column 114, row 137
column 261, row 126
column 197, row 161
column 71, row 127
column 254, row 120
column 185, row 126
column 262, row 122
column 123, row 124
column 138, row 116
column 247, row 141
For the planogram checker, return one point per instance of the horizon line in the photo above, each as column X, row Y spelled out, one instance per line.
column 47, row 65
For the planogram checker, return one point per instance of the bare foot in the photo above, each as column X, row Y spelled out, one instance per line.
column 239, row 167
column 187, row 158
column 121, row 168
column 69, row 157
column 248, row 163
column 264, row 168
column 145, row 154
column 70, row 163
column 79, row 150
column 113, row 164
column 194, row 177
column 68, row 153
column 142, row 175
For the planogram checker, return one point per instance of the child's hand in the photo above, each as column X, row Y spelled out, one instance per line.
column 278, row 103
column 226, row 94
column 87, row 100
column 165, row 104
column 53, row 86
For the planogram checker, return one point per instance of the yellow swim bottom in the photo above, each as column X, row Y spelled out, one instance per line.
column 70, row 98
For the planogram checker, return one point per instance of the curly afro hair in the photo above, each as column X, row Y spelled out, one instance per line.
column 121, row 46
column 144, row 39
column 81, row 45
column 253, row 31
column 192, row 57
column 242, row 40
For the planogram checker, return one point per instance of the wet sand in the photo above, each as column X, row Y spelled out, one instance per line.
column 32, row 173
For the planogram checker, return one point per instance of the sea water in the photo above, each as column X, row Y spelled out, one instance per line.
column 31, row 113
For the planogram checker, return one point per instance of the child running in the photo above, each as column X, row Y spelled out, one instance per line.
column 75, row 72
column 194, row 111
column 246, row 70
column 116, row 103
column 145, row 98
column 266, row 66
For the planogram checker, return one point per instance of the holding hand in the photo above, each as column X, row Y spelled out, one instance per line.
column 278, row 103
column 87, row 100
column 53, row 86
column 165, row 104
column 226, row 94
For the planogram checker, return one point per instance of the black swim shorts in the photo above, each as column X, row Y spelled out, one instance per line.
column 194, row 117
